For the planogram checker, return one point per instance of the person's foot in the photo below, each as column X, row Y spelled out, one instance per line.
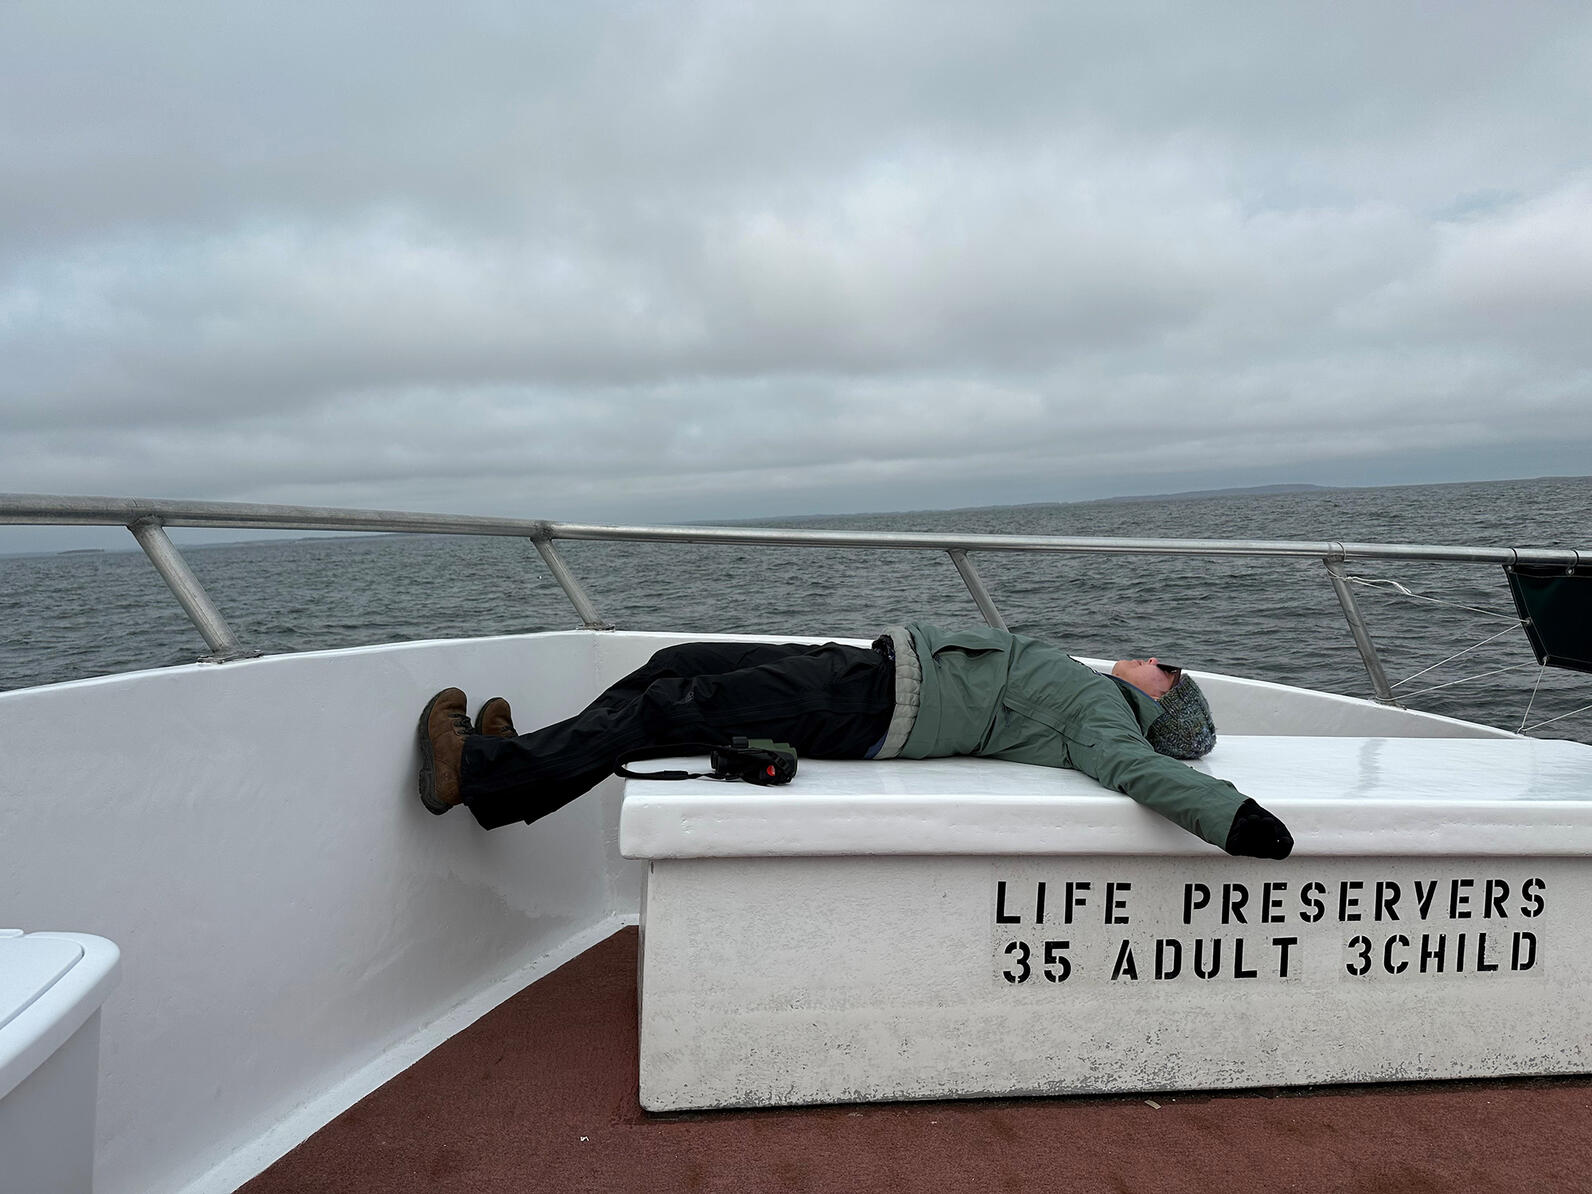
column 493, row 718
column 444, row 725
column 1255, row 833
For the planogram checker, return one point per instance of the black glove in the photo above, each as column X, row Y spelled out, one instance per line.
column 1258, row 834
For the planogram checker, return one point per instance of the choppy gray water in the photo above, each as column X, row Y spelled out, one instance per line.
column 69, row 616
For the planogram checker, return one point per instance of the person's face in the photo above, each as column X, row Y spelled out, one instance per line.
column 1147, row 675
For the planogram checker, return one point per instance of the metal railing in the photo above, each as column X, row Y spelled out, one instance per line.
column 147, row 520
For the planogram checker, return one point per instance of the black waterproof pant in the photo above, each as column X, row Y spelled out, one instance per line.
column 829, row 702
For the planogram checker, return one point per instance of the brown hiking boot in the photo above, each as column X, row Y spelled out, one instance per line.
column 443, row 729
column 494, row 718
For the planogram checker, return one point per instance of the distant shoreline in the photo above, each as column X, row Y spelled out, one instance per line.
column 1187, row 495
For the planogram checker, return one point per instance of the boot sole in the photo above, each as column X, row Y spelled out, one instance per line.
column 428, row 774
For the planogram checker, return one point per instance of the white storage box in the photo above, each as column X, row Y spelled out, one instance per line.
column 51, row 989
column 966, row 927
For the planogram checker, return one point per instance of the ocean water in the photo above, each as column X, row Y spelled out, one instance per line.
column 73, row 615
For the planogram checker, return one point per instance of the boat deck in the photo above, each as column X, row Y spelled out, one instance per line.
column 540, row 1095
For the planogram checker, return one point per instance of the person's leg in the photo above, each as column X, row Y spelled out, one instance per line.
column 684, row 660
column 829, row 701
column 444, row 728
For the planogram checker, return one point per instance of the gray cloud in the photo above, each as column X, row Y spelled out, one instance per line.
column 716, row 260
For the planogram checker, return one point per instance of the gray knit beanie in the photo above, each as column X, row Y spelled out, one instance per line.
column 1185, row 729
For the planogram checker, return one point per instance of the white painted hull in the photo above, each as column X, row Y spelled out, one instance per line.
column 294, row 926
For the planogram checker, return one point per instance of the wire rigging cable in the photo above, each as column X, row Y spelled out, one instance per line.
column 1395, row 588
column 1542, row 671
column 1513, row 667
column 1454, row 656
column 1551, row 720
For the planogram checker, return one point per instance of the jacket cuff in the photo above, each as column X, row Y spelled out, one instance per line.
column 908, row 693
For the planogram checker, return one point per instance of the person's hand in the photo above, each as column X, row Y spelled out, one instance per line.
column 1258, row 834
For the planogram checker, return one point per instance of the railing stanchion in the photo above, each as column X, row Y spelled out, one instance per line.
column 975, row 586
column 185, row 586
column 589, row 617
column 1362, row 636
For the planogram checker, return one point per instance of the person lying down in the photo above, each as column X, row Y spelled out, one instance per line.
column 919, row 692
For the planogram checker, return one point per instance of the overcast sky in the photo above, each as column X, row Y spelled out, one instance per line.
column 657, row 262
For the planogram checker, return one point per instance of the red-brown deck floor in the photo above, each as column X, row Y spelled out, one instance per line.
column 540, row 1094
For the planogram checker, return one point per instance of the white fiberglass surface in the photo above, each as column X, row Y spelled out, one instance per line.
column 29, row 966
column 1337, row 795
column 1364, row 771
column 51, row 984
column 249, row 835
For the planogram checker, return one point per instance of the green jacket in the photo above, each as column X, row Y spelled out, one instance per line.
column 1000, row 695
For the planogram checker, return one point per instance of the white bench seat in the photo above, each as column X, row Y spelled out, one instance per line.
column 964, row 927
column 1339, row 796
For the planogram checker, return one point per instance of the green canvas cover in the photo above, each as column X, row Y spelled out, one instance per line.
column 1555, row 606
